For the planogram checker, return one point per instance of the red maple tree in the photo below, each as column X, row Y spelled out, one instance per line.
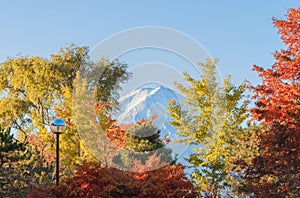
column 94, row 180
column 276, row 171
column 36, row 143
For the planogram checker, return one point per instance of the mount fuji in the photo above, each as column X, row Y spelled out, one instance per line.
column 144, row 103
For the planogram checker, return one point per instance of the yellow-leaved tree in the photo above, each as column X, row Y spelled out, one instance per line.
column 33, row 90
column 211, row 122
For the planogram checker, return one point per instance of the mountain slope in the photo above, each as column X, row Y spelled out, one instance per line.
column 147, row 102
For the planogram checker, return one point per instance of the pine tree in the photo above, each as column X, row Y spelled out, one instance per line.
column 142, row 141
column 211, row 124
column 21, row 167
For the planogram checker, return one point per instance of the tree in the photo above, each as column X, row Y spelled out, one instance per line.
column 142, row 141
column 246, row 150
column 210, row 122
column 97, row 179
column 34, row 89
column 11, row 152
column 77, row 139
column 21, row 167
column 276, row 170
column 162, row 181
column 31, row 86
column 94, row 180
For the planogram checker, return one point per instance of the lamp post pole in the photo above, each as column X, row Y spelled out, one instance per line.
column 58, row 126
column 57, row 159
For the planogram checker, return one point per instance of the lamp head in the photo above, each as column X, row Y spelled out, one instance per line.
column 58, row 126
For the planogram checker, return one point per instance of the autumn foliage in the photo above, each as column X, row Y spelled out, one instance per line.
column 36, row 142
column 261, row 159
column 94, row 180
column 276, row 170
column 116, row 134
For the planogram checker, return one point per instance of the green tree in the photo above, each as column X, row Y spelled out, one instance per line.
column 211, row 123
column 142, row 141
column 21, row 167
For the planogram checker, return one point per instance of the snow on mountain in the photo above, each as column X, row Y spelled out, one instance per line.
column 144, row 103
column 147, row 102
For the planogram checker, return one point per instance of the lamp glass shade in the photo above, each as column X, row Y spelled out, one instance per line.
column 58, row 126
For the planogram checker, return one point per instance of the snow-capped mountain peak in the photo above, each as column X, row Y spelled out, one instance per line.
column 144, row 103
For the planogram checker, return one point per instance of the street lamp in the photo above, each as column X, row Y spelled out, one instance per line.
column 57, row 126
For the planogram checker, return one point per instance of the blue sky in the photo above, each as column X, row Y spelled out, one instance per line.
column 238, row 33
